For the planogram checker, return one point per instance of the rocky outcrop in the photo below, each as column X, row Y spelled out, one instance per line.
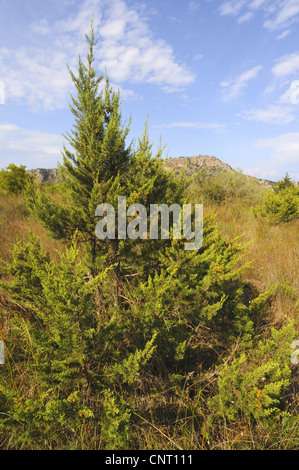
column 210, row 164
column 46, row 175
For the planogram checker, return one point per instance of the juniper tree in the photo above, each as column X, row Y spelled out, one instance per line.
column 97, row 167
column 97, row 156
column 282, row 204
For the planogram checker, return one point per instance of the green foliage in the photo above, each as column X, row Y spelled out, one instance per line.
column 251, row 385
column 226, row 187
column 282, row 204
column 14, row 178
column 43, row 419
column 112, row 332
column 100, row 168
column 285, row 183
column 116, row 422
column 128, row 370
column 68, row 352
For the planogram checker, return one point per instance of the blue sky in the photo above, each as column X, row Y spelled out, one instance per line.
column 214, row 77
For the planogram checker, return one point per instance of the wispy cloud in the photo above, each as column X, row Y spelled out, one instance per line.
column 282, row 158
column 264, row 173
column 245, row 17
column 43, row 149
column 286, row 14
column 286, row 65
column 291, row 95
column 273, row 114
column 278, row 13
column 284, row 149
column 127, row 49
column 216, row 126
column 232, row 7
column 284, row 34
column 193, row 6
column 232, row 88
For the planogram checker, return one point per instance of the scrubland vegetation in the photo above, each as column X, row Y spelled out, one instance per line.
column 139, row 344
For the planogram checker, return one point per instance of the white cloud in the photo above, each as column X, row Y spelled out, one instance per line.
column 282, row 157
column 291, row 95
column 41, row 27
column 233, row 87
column 284, row 34
column 278, row 13
column 127, row 49
column 268, row 174
column 256, row 4
column 284, row 149
column 285, row 15
column 231, row 8
column 216, row 126
column 287, row 65
column 193, row 7
column 40, row 79
column 286, row 74
column 244, row 18
column 271, row 115
column 131, row 53
column 41, row 148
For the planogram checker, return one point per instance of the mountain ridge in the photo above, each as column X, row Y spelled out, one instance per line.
column 212, row 165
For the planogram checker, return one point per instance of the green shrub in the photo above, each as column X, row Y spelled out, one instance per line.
column 226, row 187
column 14, row 178
column 282, row 204
column 251, row 385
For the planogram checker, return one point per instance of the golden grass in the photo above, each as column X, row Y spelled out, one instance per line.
column 17, row 223
column 273, row 251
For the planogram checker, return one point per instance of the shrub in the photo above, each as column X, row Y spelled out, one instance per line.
column 226, row 187
column 252, row 385
column 282, row 204
column 14, row 178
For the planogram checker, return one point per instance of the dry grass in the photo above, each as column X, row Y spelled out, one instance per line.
column 273, row 251
column 16, row 223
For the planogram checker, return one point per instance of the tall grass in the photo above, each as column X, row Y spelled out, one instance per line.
column 16, row 223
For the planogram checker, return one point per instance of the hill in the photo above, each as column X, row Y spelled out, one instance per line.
column 46, row 175
column 210, row 164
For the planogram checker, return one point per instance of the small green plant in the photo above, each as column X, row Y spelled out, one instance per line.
column 282, row 204
column 14, row 178
column 115, row 428
column 251, row 386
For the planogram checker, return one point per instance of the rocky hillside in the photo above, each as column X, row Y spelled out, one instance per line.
column 210, row 164
column 46, row 175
